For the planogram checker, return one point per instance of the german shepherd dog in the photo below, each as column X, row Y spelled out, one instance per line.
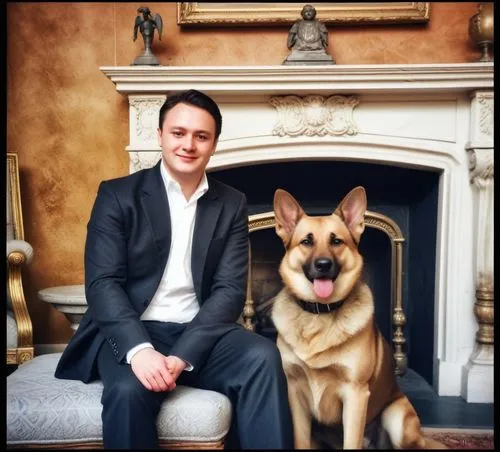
column 339, row 368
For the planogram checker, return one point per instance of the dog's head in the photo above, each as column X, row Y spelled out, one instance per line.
column 322, row 262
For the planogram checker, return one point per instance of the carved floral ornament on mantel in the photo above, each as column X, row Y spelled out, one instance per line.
column 146, row 117
column 486, row 114
column 314, row 115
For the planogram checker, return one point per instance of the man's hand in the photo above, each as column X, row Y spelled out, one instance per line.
column 152, row 370
column 175, row 366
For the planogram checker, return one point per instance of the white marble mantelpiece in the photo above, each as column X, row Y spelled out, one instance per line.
column 301, row 79
column 419, row 116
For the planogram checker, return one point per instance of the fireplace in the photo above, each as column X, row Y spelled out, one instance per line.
column 418, row 137
column 406, row 196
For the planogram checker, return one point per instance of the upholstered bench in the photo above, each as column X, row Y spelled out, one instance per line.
column 43, row 411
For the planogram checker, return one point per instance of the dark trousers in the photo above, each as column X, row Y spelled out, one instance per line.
column 242, row 365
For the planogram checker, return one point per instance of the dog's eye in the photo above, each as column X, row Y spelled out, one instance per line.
column 308, row 241
column 336, row 242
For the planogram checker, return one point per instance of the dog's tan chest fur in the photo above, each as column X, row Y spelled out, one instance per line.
column 311, row 386
column 324, row 387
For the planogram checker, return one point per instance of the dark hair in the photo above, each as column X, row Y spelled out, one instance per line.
column 197, row 99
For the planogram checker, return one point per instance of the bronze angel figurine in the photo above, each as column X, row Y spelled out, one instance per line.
column 147, row 24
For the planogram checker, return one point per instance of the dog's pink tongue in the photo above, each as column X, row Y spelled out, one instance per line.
column 323, row 287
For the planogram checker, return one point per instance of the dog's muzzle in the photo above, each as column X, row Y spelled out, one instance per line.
column 322, row 268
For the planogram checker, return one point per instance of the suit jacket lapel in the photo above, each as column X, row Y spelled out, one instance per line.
column 207, row 213
column 155, row 204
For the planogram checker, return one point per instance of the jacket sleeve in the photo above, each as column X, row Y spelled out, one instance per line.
column 220, row 311
column 105, row 275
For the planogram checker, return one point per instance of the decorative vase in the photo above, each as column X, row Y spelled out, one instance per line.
column 481, row 30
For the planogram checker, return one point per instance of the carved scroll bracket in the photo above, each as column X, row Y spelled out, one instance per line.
column 481, row 166
column 314, row 115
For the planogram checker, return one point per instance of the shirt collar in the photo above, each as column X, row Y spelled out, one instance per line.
column 171, row 185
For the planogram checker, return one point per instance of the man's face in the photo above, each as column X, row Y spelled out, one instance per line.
column 187, row 141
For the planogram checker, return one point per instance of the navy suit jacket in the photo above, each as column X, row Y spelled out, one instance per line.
column 126, row 250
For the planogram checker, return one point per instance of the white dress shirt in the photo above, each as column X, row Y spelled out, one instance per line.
column 175, row 299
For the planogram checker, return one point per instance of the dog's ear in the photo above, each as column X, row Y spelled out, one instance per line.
column 352, row 211
column 287, row 212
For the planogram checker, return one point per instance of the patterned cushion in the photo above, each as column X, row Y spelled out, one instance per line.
column 42, row 409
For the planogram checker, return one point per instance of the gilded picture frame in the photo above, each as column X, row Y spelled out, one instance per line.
column 14, row 210
column 255, row 14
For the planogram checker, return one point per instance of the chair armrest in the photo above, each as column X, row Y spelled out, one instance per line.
column 19, row 253
column 19, row 246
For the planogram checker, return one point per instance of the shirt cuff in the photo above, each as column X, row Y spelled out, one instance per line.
column 137, row 348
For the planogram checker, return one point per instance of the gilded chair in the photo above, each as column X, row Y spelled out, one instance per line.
column 19, row 254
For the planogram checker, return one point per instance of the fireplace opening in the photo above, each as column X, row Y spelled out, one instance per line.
column 407, row 196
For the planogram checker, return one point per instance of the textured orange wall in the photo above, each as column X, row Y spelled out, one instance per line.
column 69, row 126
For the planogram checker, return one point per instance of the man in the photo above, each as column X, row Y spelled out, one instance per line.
column 166, row 262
